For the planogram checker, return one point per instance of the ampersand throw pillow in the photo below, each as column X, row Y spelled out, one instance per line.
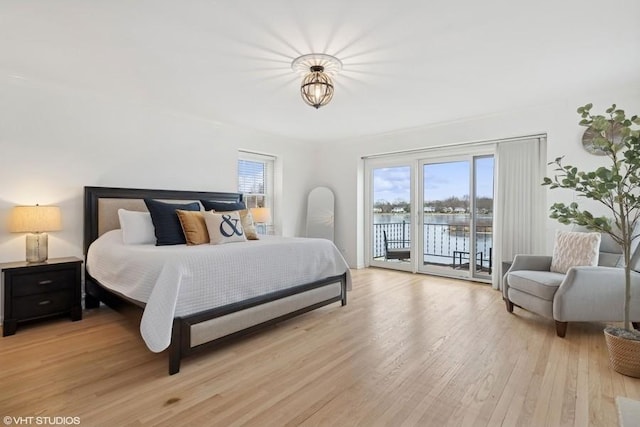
column 224, row 227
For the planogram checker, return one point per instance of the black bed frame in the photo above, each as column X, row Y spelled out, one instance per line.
column 181, row 333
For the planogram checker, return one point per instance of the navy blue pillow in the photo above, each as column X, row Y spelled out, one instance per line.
column 222, row 206
column 166, row 222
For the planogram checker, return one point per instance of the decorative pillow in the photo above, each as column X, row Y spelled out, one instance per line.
column 166, row 224
column 247, row 224
column 193, row 227
column 222, row 206
column 137, row 227
column 224, row 227
column 572, row 249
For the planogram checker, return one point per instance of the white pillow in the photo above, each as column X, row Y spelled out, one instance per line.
column 224, row 227
column 572, row 249
column 137, row 227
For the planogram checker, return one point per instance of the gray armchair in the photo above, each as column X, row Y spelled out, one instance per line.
column 584, row 294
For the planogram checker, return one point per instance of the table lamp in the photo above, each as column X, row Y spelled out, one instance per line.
column 35, row 220
column 261, row 216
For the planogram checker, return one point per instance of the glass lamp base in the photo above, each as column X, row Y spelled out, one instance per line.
column 37, row 247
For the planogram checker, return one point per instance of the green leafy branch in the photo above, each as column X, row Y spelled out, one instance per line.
column 616, row 187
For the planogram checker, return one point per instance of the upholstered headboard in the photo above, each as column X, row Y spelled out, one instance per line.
column 101, row 205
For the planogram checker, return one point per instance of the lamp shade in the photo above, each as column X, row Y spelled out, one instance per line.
column 261, row 215
column 35, row 219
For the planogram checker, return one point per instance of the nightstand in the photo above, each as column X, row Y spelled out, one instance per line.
column 37, row 290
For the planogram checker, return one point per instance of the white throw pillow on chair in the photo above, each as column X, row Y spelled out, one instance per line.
column 573, row 249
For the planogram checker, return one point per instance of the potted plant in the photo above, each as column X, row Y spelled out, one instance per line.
column 617, row 137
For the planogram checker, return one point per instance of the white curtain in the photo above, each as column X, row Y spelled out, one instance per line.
column 520, row 202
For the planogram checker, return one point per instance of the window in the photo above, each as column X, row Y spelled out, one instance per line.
column 256, row 179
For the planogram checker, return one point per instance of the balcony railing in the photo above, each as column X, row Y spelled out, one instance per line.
column 444, row 244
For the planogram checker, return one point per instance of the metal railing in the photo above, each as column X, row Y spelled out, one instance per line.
column 444, row 244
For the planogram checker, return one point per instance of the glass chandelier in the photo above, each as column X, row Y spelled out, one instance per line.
column 317, row 86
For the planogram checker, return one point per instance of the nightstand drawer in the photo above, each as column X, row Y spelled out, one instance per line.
column 48, row 281
column 42, row 304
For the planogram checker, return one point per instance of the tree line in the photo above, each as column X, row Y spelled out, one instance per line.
column 483, row 204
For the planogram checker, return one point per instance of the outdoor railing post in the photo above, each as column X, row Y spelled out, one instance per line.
column 403, row 232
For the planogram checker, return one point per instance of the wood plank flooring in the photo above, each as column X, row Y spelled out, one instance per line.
column 407, row 350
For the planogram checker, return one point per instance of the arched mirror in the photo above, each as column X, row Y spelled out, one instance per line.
column 320, row 218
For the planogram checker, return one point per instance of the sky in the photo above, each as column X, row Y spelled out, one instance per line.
column 441, row 181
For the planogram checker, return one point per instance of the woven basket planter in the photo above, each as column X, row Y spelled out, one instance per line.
column 624, row 354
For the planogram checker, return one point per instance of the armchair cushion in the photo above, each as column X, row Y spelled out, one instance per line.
column 542, row 284
column 572, row 249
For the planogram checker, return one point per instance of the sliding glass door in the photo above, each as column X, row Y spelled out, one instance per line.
column 446, row 221
column 390, row 214
column 436, row 207
column 483, row 170
column 440, row 222
column 456, row 200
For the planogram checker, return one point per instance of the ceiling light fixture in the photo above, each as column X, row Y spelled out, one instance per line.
column 317, row 86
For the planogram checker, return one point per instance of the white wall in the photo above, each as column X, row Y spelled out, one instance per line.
column 340, row 165
column 54, row 141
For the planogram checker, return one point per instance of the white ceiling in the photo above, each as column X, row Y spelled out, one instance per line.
column 406, row 63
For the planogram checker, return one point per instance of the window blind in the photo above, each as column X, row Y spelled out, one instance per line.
column 251, row 177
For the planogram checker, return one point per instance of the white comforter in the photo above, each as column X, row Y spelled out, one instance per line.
column 181, row 280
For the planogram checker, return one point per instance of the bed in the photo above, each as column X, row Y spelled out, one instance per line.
column 212, row 293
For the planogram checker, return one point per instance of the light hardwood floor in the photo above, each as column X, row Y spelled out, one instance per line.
column 406, row 350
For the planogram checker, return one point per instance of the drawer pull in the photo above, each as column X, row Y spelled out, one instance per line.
column 45, row 302
column 45, row 282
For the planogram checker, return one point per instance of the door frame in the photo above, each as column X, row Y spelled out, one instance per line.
column 421, row 268
column 414, row 159
column 470, row 273
column 370, row 166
